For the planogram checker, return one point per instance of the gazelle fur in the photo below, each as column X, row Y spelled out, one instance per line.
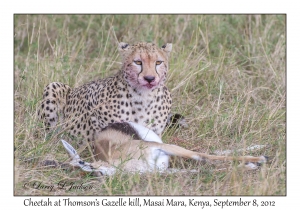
column 131, row 147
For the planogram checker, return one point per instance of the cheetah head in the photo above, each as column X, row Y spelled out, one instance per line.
column 145, row 65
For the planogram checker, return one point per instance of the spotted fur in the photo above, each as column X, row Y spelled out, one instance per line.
column 136, row 93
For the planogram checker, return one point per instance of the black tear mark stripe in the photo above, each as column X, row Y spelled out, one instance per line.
column 141, row 69
column 156, row 65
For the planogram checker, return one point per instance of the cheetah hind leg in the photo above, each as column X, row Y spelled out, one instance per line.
column 53, row 103
column 76, row 161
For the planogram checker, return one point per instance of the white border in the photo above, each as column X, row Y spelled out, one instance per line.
column 153, row 6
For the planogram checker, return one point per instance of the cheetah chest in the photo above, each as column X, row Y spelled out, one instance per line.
column 148, row 110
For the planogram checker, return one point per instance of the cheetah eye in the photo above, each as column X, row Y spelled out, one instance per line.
column 138, row 62
column 158, row 62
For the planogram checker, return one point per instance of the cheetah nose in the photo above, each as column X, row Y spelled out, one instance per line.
column 149, row 78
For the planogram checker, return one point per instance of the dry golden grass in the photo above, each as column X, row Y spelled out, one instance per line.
column 227, row 76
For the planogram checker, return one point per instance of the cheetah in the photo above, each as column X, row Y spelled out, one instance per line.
column 136, row 93
column 134, row 148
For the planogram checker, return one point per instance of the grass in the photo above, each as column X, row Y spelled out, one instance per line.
column 227, row 77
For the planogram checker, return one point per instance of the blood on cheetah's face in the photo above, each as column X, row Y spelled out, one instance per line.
column 145, row 65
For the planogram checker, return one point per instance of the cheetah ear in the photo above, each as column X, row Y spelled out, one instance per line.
column 167, row 48
column 123, row 46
